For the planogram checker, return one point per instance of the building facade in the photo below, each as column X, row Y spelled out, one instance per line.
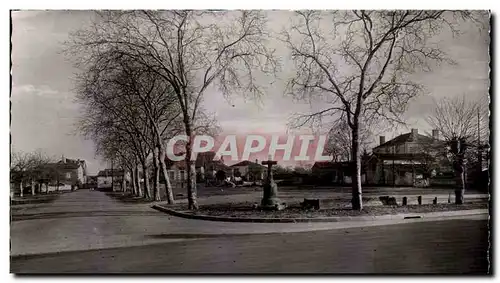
column 67, row 173
column 112, row 179
column 407, row 160
column 205, row 165
column 248, row 170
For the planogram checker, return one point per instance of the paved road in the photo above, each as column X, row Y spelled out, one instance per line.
column 85, row 220
column 87, row 231
column 456, row 246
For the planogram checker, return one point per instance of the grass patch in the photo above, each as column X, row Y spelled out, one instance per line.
column 245, row 210
column 42, row 198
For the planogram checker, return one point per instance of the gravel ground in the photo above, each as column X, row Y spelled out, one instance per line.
column 246, row 210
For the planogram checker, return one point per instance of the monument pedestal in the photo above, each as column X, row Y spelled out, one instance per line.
column 270, row 200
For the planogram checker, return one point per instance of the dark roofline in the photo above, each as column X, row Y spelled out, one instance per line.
column 389, row 142
column 247, row 163
column 401, row 139
column 59, row 165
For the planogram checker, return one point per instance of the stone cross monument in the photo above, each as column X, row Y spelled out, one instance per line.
column 270, row 199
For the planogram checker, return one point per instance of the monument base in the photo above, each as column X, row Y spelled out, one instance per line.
column 274, row 207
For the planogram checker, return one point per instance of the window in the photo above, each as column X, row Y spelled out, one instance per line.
column 400, row 149
column 182, row 175
column 171, row 175
column 411, row 148
column 68, row 175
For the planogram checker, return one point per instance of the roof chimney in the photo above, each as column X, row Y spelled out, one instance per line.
column 63, row 159
column 382, row 140
column 256, row 161
column 435, row 134
column 414, row 134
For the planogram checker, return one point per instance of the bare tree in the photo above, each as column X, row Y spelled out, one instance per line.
column 459, row 122
column 190, row 50
column 339, row 143
column 37, row 169
column 29, row 168
column 113, row 122
column 140, row 103
column 303, row 168
column 359, row 63
column 19, row 166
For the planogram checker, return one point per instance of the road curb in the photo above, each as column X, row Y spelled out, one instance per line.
column 427, row 215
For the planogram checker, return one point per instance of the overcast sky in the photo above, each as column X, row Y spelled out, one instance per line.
column 44, row 113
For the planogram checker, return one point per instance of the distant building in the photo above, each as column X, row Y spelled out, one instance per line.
column 205, row 165
column 92, row 179
column 340, row 173
column 251, row 171
column 107, row 177
column 407, row 159
column 66, row 173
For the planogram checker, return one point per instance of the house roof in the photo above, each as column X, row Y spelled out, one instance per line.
column 222, row 166
column 247, row 163
column 404, row 156
column 109, row 173
column 63, row 166
column 72, row 161
column 404, row 138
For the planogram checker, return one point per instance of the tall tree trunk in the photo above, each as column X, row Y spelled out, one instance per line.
column 32, row 187
column 191, row 174
column 156, row 180
column 147, row 189
column 168, row 185
column 134, row 187
column 357, row 203
column 460, row 182
column 138, row 180
column 163, row 166
column 21, row 193
column 124, row 180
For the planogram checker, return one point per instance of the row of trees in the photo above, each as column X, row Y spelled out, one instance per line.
column 145, row 74
column 31, row 169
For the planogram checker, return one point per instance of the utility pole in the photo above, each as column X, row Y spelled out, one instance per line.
column 479, row 150
column 393, row 167
column 112, row 179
